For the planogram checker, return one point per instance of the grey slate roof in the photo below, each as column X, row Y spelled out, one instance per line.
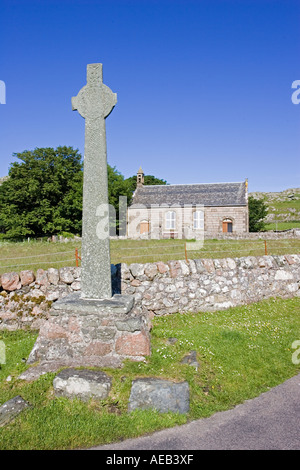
column 211, row 194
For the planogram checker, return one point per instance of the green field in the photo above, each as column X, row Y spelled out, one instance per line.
column 282, row 225
column 36, row 254
column 242, row 352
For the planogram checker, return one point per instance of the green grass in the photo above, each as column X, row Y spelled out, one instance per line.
column 282, row 225
column 280, row 207
column 18, row 256
column 285, row 207
column 242, row 352
column 238, row 248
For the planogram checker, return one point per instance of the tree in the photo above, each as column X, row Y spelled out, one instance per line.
column 257, row 212
column 117, row 186
column 148, row 180
column 43, row 194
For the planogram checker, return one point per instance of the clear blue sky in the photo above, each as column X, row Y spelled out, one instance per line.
column 204, row 86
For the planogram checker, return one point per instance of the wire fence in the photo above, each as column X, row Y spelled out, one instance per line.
column 45, row 260
column 154, row 251
column 214, row 249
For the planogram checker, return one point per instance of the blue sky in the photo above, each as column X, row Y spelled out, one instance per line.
column 204, row 86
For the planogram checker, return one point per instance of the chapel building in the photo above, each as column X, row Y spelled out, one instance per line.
column 187, row 210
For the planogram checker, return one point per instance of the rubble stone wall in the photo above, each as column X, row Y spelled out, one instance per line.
column 268, row 235
column 210, row 284
column 158, row 288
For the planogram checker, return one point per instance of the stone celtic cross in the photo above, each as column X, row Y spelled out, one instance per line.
column 94, row 102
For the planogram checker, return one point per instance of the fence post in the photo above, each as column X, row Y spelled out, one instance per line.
column 76, row 257
column 266, row 251
column 185, row 252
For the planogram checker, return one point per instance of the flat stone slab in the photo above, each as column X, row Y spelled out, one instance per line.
column 83, row 384
column 119, row 303
column 159, row 394
column 11, row 409
column 36, row 371
column 191, row 359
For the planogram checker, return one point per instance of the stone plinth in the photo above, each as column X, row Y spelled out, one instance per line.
column 99, row 333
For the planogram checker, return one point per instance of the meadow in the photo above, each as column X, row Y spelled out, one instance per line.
column 282, row 225
column 242, row 352
column 18, row 256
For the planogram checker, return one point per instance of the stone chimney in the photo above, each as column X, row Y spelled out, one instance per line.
column 246, row 188
column 140, row 178
column 247, row 209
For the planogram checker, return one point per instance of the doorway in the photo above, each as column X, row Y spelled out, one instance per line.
column 227, row 226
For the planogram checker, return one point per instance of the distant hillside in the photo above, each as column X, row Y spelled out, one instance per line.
column 284, row 208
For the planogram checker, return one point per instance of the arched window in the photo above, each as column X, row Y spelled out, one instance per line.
column 198, row 220
column 227, row 226
column 144, row 227
column 170, row 219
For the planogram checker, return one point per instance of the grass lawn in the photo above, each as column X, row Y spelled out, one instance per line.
column 35, row 254
column 242, row 352
column 282, row 225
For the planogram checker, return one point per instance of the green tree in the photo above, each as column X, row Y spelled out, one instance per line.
column 148, row 180
column 257, row 212
column 117, row 186
column 43, row 194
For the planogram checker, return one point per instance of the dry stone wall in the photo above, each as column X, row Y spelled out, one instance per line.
column 210, row 284
column 269, row 235
column 158, row 288
column 26, row 297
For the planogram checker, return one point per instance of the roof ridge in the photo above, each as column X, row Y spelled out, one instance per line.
column 190, row 184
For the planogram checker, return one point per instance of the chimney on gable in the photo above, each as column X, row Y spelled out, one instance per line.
column 140, row 178
column 246, row 188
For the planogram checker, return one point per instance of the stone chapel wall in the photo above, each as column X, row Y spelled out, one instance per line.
column 213, row 218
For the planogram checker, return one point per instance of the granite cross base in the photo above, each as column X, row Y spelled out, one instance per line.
column 95, row 333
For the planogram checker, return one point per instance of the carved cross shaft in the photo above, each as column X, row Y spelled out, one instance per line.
column 94, row 102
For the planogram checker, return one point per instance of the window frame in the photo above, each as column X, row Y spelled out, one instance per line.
column 170, row 220
column 198, row 216
column 227, row 220
column 144, row 222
